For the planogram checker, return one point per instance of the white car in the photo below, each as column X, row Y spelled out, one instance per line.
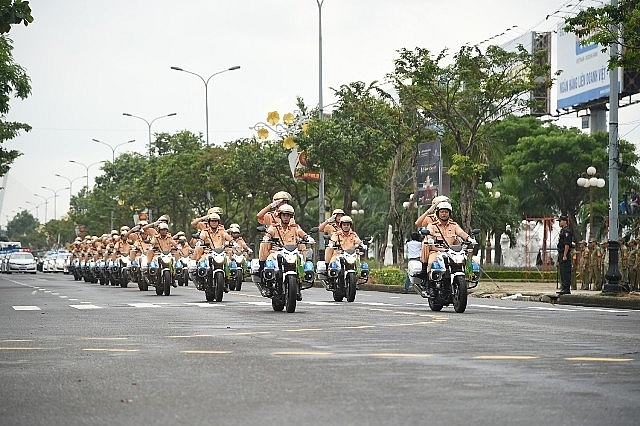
column 21, row 261
column 61, row 262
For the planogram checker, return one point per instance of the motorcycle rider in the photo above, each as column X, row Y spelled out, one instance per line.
column 267, row 217
column 201, row 223
column 443, row 229
column 234, row 231
column 332, row 224
column 161, row 242
column 284, row 230
column 429, row 215
column 213, row 236
column 345, row 238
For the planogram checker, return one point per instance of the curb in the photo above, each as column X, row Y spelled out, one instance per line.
column 566, row 299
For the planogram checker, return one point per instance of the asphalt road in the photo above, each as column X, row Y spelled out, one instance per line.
column 73, row 353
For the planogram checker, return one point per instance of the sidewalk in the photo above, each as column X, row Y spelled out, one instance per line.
column 536, row 292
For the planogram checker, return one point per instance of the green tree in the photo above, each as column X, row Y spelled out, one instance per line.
column 13, row 78
column 21, row 225
column 608, row 25
column 466, row 98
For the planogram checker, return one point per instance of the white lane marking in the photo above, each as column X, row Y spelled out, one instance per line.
column 256, row 303
column 26, row 308
column 506, row 308
column 73, row 300
column 204, row 304
column 322, row 303
column 63, row 297
column 144, row 305
column 374, row 303
column 82, row 307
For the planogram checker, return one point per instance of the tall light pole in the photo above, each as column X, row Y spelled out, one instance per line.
column 46, row 205
column 86, row 168
column 590, row 182
column 320, row 116
column 149, row 123
column 206, row 91
column 37, row 206
column 113, row 148
column 70, row 183
column 55, row 197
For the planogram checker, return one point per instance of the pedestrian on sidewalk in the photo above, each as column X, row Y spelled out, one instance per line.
column 565, row 240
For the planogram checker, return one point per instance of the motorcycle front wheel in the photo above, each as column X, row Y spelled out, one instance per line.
column 218, row 284
column 166, row 282
column 239, row 279
column 291, row 293
column 459, row 294
column 350, row 283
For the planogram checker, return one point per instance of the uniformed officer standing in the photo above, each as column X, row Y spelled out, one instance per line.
column 585, row 276
column 595, row 263
column 633, row 263
column 565, row 240
column 624, row 262
column 604, row 265
column 575, row 258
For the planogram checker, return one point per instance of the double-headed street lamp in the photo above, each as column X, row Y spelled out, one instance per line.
column 55, row 197
column 206, row 91
column 46, row 205
column 149, row 123
column 70, row 183
column 86, row 167
column 590, row 182
column 113, row 148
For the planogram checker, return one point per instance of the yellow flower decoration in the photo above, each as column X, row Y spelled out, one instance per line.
column 263, row 133
column 288, row 142
column 273, row 117
column 288, row 119
column 305, row 127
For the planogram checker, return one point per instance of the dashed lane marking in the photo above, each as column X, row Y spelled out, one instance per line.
column 144, row 305
column 505, row 357
column 299, row 330
column 86, row 307
column 26, row 308
column 15, row 340
column 102, row 338
column 189, row 336
column 596, row 359
column 8, row 348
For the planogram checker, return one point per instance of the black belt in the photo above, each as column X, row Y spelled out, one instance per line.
column 415, row 258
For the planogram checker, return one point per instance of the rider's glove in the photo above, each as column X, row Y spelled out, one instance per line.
column 276, row 203
column 310, row 240
column 472, row 241
column 332, row 218
column 135, row 228
column 249, row 251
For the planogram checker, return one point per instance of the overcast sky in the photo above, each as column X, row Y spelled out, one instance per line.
column 91, row 60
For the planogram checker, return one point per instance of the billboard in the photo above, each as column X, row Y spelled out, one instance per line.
column 539, row 46
column 428, row 172
column 584, row 77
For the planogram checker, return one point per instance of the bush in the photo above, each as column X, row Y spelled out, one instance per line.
column 387, row 276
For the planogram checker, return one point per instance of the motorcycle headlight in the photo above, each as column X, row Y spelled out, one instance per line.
column 308, row 266
column 269, row 263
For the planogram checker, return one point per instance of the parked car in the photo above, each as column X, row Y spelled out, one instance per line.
column 21, row 261
column 60, row 262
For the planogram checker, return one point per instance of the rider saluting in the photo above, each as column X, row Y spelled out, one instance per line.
column 444, row 229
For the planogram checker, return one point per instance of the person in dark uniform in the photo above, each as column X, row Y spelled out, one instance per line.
column 565, row 240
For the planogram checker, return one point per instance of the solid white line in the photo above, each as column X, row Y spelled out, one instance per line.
column 81, row 307
column 26, row 308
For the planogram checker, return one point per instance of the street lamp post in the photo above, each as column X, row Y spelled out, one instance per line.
column 149, row 123
column 46, row 205
column 55, row 197
column 493, row 194
column 70, row 183
column 320, row 116
column 113, row 148
column 590, row 182
column 206, row 91
column 37, row 206
column 86, row 168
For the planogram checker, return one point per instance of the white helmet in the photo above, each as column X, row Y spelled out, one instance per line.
column 444, row 205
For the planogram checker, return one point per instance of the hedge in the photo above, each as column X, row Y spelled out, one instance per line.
column 394, row 276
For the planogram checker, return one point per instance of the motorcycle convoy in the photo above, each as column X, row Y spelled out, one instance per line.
column 287, row 270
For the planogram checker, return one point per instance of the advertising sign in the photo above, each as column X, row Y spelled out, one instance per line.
column 584, row 76
column 428, row 172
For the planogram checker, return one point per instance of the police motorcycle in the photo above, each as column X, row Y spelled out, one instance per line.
column 285, row 272
column 237, row 267
column 162, row 272
column 120, row 270
column 182, row 270
column 451, row 275
column 343, row 275
column 212, row 272
column 75, row 268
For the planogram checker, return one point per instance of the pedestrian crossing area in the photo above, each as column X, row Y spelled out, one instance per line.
column 89, row 306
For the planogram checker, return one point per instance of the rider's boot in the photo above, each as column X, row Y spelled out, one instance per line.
column 299, row 295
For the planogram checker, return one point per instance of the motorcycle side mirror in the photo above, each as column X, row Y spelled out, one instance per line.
column 261, row 228
column 367, row 239
column 313, row 230
column 424, row 231
column 475, row 231
column 196, row 235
